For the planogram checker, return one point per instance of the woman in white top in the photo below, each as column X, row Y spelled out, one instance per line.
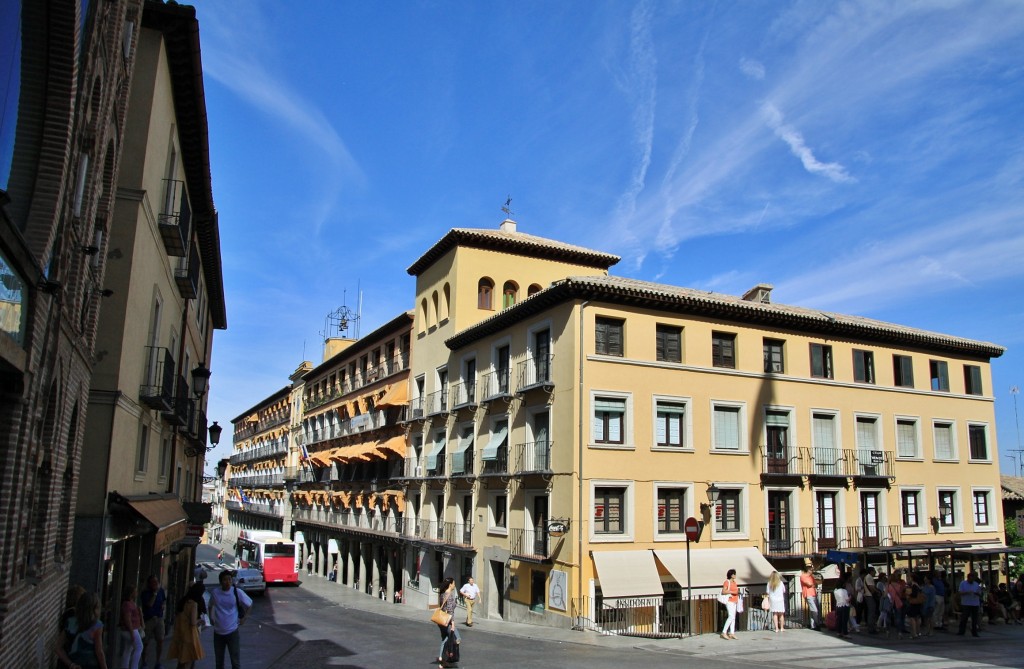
column 777, row 601
column 842, row 596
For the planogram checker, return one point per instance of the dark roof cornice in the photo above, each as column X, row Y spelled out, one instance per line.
column 516, row 243
column 265, row 402
column 631, row 292
column 180, row 29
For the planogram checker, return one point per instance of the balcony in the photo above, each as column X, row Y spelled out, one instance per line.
column 187, row 275
column 158, row 391
column 459, row 535
column 462, row 463
column 535, row 372
column 802, row 541
column 533, row 457
column 415, row 409
column 869, row 465
column 182, row 405
column 368, row 523
column 437, row 470
column 436, row 403
column 828, row 463
column 530, row 545
column 788, row 541
column 784, row 461
column 413, row 467
column 496, row 384
column 463, row 394
column 176, row 218
column 497, row 466
column 276, row 448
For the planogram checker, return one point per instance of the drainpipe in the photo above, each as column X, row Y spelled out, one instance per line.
column 579, row 501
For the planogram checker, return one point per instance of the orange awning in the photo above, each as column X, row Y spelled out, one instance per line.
column 397, row 394
column 395, row 444
column 399, row 501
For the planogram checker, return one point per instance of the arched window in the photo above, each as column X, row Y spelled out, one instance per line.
column 423, row 315
column 508, row 294
column 534, row 288
column 433, row 314
column 485, row 294
column 446, row 304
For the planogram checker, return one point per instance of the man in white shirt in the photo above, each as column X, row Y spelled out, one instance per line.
column 228, row 609
column 470, row 594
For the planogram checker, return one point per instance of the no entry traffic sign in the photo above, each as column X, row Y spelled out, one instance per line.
column 692, row 529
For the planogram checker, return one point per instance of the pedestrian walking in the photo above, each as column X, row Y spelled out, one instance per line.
column 870, row 600
column 939, row 615
column 309, row 565
column 842, row 597
column 777, row 601
column 449, row 633
column 809, row 590
column 970, row 604
column 131, row 629
column 153, row 601
column 228, row 609
column 470, row 594
column 730, row 597
column 186, row 646
column 86, row 631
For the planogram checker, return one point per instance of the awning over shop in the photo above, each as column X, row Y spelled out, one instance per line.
column 332, row 547
column 397, row 394
column 626, row 574
column 708, row 566
column 490, row 451
column 166, row 515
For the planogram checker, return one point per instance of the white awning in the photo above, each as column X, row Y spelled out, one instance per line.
column 332, row 547
column 300, row 538
column 490, row 451
column 709, row 566
column 627, row 574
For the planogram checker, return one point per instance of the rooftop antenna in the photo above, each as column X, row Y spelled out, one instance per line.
column 1014, row 390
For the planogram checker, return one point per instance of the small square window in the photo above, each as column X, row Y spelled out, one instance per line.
column 863, row 366
column 727, row 512
column 609, row 420
column 945, row 446
column 910, row 508
column 821, row 361
column 903, row 371
column 670, row 424
column 939, row 372
column 972, row 380
column 773, row 360
column 728, row 428
column 608, row 336
column 669, row 343
column 723, row 349
column 906, row 438
column 671, row 510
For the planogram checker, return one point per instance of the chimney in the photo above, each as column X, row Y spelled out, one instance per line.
column 762, row 293
column 508, row 225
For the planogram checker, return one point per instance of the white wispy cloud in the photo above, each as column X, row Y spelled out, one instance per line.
column 799, row 148
column 752, row 68
column 234, row 56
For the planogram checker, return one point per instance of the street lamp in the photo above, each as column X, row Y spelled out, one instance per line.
column 200, row 380
column 713, row 493
column 945, row 510
column 215, row 431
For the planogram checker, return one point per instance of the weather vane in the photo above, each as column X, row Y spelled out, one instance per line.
column 508, row 207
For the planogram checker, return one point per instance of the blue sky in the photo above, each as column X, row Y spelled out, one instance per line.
column 862, row 157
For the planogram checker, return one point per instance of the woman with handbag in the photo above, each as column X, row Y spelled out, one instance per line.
column 777, row 601
column 186, row 647
column 444, row 616
column 730, row 597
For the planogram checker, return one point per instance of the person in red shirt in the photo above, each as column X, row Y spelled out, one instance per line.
column 809, row 590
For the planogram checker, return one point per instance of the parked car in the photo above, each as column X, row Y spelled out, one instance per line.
column 250, row 581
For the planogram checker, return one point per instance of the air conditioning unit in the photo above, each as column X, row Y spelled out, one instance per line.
column 417, row 413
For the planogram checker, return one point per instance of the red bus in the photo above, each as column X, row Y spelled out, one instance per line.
column 271, row 553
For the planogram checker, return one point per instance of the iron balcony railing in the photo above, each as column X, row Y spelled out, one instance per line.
column 462, row 463
column 415, row 410
column 414, row 467
column 533, row 456
column 436, row 402
column 158, row 390
column 535, row 371
column 785, row 461
column 530, row 544
column 183, row 405
column 262, row 425
column 496, row 384
column 441, row 532
column 256, row 507
column 463, row 394
column 438, row 468
column 872, row 463
column 277, row 447
column 799, row 541
column 187, row 275
column 245, row 480
column 175, row 217
column 497, row 466
column 828, row 461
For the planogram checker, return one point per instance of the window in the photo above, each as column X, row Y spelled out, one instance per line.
column 609, row 510
column 728, row 428
column 609, row 420
column 945, row 446
column 827, row 456
column 509, row 292
column 981, row 517
column 165, row 457
column 723, row 349
column 910, row 505
column 669, row 424
column 821, row 361
column 939, row 372
column 669, row 347
column 863, row 366
column 485, row 294
column 947, row 508
column 903, row 371
column 773, row 363
column 142, row 456
column 504, row 366
column 978, row 442
column 498, row 512
column 972, row 379
column 608, row 336
column 906, row 438
column 868, row 444
column 727, row 512
column 869, row 518
column 671, row 510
